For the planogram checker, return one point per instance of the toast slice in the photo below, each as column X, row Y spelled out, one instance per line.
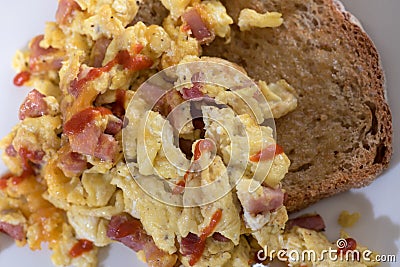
column 339, row 137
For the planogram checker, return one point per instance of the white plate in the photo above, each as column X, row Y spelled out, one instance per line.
column 379, row 227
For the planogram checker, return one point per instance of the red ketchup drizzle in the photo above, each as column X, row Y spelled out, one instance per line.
column 80, row 120
column 81, row 247
column 201, row 243
column 267, row 153
column 21, row 78
column 202, row 145
column 134, row 63
column 4, row 179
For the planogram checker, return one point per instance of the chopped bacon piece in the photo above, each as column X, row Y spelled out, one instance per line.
column 129, row 231
column 118, row 108
column 198, row 27
column 10, row 151
column 168, row 102
column 21, row 78
column 32, row 156
column 190, row 244
column 86, row 136
column 107, row 148
column 312, row 222
column 267, row 153
column 219, row 237
column 81, row 247
column 14, row 231
column 99, row 51
column 114, row 125
column 33, row 106
column 194, row 246
column 65, row 11
column 270, row 200
column 71, row 163
column 43, row 59
column 193, row 92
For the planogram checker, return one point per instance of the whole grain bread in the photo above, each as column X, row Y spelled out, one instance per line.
column 339, row 137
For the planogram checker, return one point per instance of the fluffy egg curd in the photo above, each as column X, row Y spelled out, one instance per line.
column 188, row 176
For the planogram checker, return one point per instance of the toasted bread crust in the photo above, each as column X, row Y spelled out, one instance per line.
column 340, row 135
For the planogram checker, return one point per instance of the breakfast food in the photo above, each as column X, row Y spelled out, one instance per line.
column 342, row 118
column 131, row 135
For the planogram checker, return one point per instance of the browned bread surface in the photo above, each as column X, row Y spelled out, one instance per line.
column 340, row 135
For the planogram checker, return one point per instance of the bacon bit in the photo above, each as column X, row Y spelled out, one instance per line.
column 3, row 180
column 267, row 153
column 118, row 108
column 86, row 137
column 133, row 63
column 312, row 222
column 30, row 156
column 10, row 151
column 98, row 52
column 197, row 26
column 193, row 245
column 65, row 10
column 78, row 123
column 168, row 102
column 114, row 125
column 351, row 244
column 33, row 106
column 193, row 92
column 219, row 237
column 21, row 78
column 82, row 246
column 14, row 231
column 129, row 231
column 43, row 59
column 71, row 163
column 107, row 148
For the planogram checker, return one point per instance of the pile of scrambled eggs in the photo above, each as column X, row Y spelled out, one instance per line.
column 73, row 185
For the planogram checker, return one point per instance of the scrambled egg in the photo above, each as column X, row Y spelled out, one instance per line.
column 89, row 65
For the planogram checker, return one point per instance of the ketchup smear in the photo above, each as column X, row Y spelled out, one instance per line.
column 134, row 63
column 82, row 246
column 21, row 78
